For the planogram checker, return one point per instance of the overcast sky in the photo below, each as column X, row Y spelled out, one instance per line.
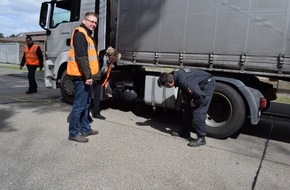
column 18, row 16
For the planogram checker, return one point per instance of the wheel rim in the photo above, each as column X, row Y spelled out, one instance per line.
column 220, row 111
column 68, row 87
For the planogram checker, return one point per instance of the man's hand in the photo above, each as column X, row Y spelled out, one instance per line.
column 89, row 82
column 20, row 67
column 189, row 91
column 192, row 103
column 106, row 85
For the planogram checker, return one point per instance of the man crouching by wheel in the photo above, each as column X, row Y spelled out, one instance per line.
column 197, row 88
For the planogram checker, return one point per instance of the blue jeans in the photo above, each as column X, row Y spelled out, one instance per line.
column 79, row 123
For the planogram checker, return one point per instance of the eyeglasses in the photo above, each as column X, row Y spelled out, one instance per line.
column 91, row 21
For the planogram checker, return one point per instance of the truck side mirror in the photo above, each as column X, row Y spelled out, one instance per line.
column 43, row 15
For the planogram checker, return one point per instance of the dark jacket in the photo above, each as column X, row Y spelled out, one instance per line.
column 191, row 82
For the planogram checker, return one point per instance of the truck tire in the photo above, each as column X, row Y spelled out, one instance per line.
column 66, row 88
column 226, row 113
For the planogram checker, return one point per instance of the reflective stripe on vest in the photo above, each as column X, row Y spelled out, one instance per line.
column 72, row 66
column 31, row 55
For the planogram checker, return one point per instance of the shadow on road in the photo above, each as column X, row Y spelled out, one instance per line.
column 4, row 123
column 277, row 118
column 172, row 121
column 280, row 129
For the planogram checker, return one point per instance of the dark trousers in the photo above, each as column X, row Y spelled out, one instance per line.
column 31, row 77
column 196, row 116
column 97, row 96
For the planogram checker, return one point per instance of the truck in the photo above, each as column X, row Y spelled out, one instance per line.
column 238, row 42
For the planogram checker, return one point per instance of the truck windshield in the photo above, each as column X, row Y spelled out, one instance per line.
column 64, row 11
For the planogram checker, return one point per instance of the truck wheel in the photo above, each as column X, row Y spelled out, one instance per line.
column 226, row 113
column 66, row 88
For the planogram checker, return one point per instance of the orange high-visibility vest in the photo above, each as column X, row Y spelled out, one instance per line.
column 31, row 55
column 72, row 66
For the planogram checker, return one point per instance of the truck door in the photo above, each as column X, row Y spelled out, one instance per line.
column 62, row 18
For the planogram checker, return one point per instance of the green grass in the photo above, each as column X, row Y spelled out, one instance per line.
column 283, row 98
column 13, row 67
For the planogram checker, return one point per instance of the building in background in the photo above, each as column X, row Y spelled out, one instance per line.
column 12, row 48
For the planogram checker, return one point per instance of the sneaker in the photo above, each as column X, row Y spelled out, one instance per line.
column 197, row 142
column 78, row 138
column 92, row 132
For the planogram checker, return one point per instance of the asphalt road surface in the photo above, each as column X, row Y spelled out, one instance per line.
column 134, row 149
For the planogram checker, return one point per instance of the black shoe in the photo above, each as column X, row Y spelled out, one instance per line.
column 197, row 142
column 99, row 117
column 31, row 91
column 181, row 134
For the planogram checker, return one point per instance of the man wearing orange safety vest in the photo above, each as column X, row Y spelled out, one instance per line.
column 83, row 67
column 33, row 58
